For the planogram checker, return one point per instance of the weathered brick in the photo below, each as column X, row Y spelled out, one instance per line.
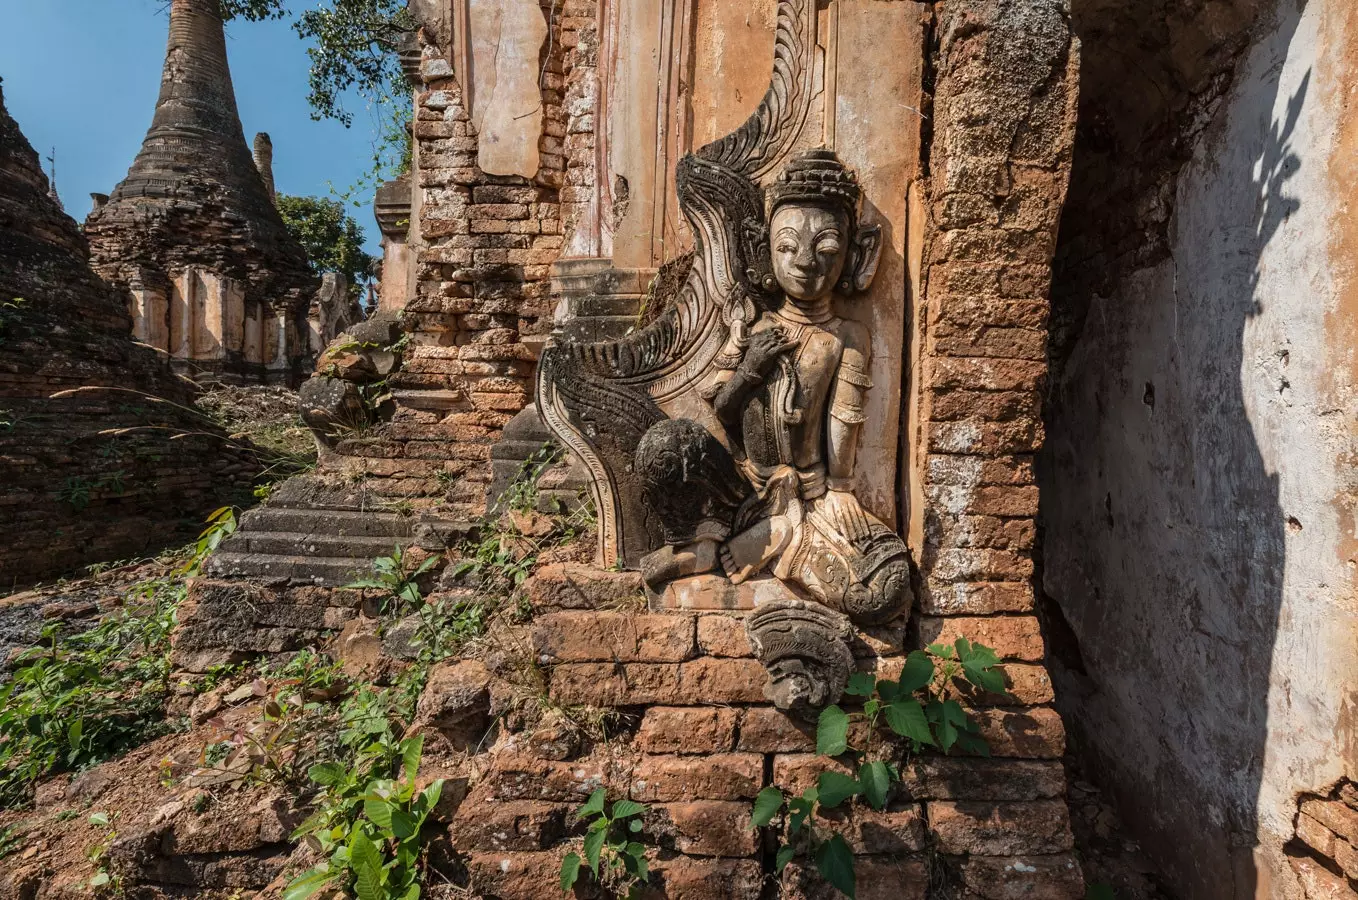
column 878, row 878
column 684, row 878
column 1033, row 733
column 975, row 778
column 795, row 772
column 977, row 373
column 975, row 598
column 765, row 729
column 977, row 470
column 519, row 776
column 717, row 776
column 500, row 826
column 898, row 829
column 708, row 827
column 982, row 438
column 1313, row 833
column 704, row 681
column 994, row 406
column 685, row 729
column 580, row 587
column 1051, row 877
column 723, row 636
column 1318, row 883
column 623, row 637
column 1335, row 815
column 1000, row 829
column 978, row 532
column 977, row 565
column 1011, row 637
column 524, row 876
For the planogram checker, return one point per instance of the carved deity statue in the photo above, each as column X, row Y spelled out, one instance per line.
column 721, row 439
column 790, row 398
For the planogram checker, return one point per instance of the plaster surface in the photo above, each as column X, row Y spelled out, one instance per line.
column 506, row 38
column 1198, row 482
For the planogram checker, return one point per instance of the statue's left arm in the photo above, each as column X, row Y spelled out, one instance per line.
column 847, row 398
column 843, row 426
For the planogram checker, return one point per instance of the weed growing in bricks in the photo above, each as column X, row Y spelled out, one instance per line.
column 612, row 855
column 104, row 882
column 398, row 579
column 917, row 713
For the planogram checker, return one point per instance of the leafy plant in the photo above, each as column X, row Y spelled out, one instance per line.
column 611, row 855
column 916, row 711
column 399, row 581
column 11, row 839
column 77, row 700
column 104, row 881
column 220, row 525
column 369, row 826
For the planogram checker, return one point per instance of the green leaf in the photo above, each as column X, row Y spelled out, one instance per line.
column 570, row 871
column 888, row 690
column 411, row 749
column 954, row 713
column 861, row 684
column 634, row 826
column 876, row 781
column 624, row 809
column 366, row 861
column 918, row 672
column 906, row 718
column 73, row 732
column 942, row 651
column 594, row 845
column 963, row 648
column 100, row 880
column 327, row 774
column 403, row 824
column 766, row 806
column 832, row 732
column 945, row 732
column 635, row 850
column 834, row 861
column 970, row 743
column 378, row 812
column 785, row 855
column 871, row 708
column 100, row 819
column 308, row 883
column 1100, row 892
column 987, row 679
column 594, row 805
column 835, row 788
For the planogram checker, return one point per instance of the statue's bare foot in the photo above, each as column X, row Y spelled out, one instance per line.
column 745, row 554
column 669, row 563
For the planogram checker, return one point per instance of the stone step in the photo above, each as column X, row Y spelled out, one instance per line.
column 318, row 570
column 364, row 549
column 331, row 522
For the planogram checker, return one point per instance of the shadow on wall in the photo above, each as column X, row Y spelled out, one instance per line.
column 1162, row 531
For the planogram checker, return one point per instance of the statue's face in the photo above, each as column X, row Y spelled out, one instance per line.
column 810, row 246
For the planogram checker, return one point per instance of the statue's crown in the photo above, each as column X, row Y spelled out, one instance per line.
column 817, row 176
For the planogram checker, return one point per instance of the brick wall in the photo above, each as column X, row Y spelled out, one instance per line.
column 996, row 188
column 482, row 305
column 92, row 476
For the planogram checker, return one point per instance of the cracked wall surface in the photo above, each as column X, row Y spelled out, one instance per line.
column 1197, row 483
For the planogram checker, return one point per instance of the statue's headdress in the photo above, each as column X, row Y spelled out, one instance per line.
column 817, row 177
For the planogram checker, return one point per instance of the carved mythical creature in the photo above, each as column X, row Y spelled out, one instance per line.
column 722, row 437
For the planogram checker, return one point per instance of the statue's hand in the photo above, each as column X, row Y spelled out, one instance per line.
column 846, row 514
column 765, row 348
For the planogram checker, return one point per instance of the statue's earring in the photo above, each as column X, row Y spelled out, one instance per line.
column 845, row 286
column 770, row 282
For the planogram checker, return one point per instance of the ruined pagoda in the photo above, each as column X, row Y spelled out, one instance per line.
column 211, row 275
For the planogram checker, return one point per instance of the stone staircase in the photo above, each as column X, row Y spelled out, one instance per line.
column 312, row 531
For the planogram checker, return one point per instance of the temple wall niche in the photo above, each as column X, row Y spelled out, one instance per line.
column 1198, row 484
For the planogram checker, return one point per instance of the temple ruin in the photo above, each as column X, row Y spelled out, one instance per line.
column 91, row 468
column 191, row 235
column 733, row 364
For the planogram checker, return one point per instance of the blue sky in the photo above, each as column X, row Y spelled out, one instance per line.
column 82, row 76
